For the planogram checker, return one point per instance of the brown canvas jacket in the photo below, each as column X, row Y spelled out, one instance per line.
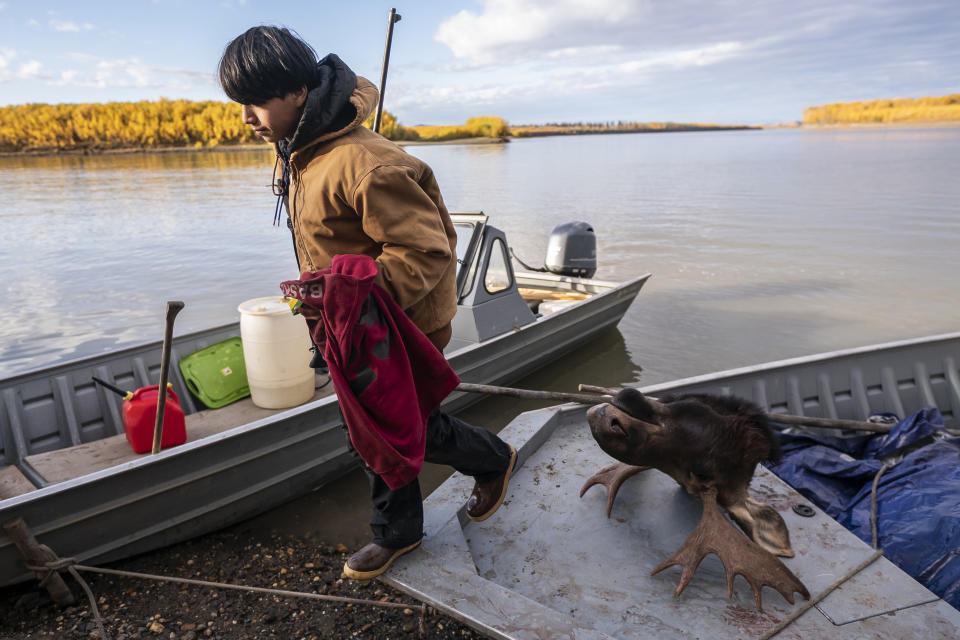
column 354, row 192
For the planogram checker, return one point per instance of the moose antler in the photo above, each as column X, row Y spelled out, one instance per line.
column 739, row 555
column 611, row 477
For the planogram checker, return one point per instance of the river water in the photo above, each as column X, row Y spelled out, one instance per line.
column 762, row 244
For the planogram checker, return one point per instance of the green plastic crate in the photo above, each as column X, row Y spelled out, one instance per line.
column 217, row 374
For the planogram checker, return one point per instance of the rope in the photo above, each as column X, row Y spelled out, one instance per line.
column 873, row 503
column 50, row 568
column 860, row 567
column 70, row 564
column 93, row 602
column 823, row 594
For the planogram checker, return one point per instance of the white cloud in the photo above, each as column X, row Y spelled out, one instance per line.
column 93, row 72
column 699, row 57
column 71, row 27
column 122, row 73
column 66, row 78
column 585, row 52
column 551, row 50
column 548, row 51
column 507, row 27
column 129, row 73
column 565, row 73
column 31, row 70
column 81, row 58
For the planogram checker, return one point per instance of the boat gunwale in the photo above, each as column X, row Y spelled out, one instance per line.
column 182, row 449
column 283, row 415
column 65, row 365
column 800, row 360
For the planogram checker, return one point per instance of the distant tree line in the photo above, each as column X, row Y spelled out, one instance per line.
column 118, row 125
column 574, row 128
column 936, row 109
column 173, row 123
column 479, row 127
column 184, row 123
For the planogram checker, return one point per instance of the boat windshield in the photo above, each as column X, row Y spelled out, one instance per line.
column 464, row 233
column 469, row 227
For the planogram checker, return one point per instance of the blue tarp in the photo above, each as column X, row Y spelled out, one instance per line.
column 918, row 498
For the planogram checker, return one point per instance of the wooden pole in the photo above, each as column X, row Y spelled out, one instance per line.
column 37, row 555
column 173, row 308
column 605, row 395
column 784, row 418
column 529, row 394
column 829, row 423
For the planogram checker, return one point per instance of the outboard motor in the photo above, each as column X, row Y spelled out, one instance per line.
column 572, row 250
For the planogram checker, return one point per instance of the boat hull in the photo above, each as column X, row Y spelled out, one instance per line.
column 216, row 481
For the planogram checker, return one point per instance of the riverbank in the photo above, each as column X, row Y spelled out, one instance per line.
column 480, row 140
column 540, row 131
column 544, row 132
column 220, row 148
column 134, row 150
column 468, row 141
column 134, row 608
column 884, row 125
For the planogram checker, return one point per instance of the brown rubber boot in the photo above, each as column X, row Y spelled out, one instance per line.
column 372, row 560
column 488, row 496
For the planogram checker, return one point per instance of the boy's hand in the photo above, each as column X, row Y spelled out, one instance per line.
column 298, row 308
column 308, row 312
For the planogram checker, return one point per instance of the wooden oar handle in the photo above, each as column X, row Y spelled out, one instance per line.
column 173, row 308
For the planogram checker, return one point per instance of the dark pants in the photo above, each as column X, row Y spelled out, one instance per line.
column 397, row 519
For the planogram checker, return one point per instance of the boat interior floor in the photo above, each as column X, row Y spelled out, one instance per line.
column 550, row 564
column 72, row 462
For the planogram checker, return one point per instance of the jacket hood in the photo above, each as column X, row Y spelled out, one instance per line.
column 362, row 103
column 339, row 104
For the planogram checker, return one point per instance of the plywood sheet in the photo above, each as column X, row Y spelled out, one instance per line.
column 13, row 483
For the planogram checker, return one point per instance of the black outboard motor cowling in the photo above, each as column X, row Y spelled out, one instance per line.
column 572, row 250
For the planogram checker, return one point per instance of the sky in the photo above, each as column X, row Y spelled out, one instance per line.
column 527, row 61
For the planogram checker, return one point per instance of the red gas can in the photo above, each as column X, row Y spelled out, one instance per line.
column 140, row 415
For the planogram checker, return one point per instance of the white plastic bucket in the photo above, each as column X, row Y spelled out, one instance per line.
column 276, row 349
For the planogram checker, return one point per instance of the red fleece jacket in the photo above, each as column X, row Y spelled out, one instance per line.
column 388, row 376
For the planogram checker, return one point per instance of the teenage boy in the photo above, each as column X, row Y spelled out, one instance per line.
column 351, row 191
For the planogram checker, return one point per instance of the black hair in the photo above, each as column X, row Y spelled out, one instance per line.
column 266, row 62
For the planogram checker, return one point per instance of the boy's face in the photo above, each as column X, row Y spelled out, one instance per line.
column 277, row 118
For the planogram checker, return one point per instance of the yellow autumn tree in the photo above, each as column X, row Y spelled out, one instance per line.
column 116, row 125
column 175, row 123
column 904, row 110
column 390, row 127
column 479, row 127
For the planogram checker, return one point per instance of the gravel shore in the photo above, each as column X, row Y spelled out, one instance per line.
column 298, row 546
column 134, row 608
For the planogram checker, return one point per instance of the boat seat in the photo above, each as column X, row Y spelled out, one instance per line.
column 73, row 462
column 13, row 483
